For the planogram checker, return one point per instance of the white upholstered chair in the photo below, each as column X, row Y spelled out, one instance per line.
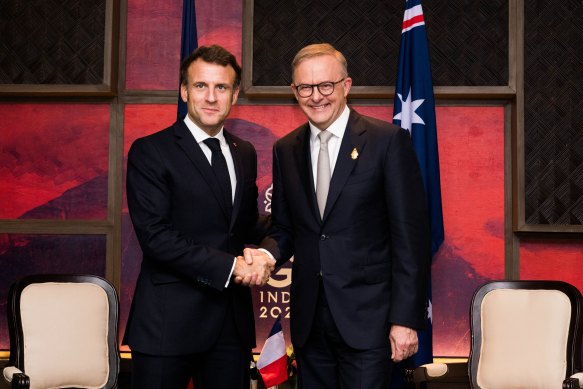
column 525, row 334
column 63, row 333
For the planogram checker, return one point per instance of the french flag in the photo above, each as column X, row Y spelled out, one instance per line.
column 272, row 362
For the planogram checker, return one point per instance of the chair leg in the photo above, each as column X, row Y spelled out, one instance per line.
column 571, row 383
column 20, row 381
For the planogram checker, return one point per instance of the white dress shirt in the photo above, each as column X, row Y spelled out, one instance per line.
column 337, row 128
column 200, row 136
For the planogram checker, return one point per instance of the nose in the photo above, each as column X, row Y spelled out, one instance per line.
column 316, row 95
column 211, row 95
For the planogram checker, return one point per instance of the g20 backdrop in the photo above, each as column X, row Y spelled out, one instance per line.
column 56, row 166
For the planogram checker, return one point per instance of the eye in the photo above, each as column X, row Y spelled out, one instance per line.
column 326, row 86
column 199, row 85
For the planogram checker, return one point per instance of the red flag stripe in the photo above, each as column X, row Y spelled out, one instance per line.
column 415, row 20
column 275, row 373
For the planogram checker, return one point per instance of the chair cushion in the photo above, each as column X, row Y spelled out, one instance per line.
column 524, row 338
column 65, row 327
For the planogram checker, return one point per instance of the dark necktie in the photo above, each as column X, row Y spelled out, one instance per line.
column 219, row 165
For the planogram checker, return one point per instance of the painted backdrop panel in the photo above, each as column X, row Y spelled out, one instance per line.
column 153, row 38
column 471, row 153
column 53, row 161
column 564, row 257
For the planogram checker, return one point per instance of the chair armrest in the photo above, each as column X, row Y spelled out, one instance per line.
column 9, row 372
column 574, row 382
column 439, row 372
column 15, row 376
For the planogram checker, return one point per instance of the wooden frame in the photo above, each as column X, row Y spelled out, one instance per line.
column 361, row 92
column 107, row 88
column 519, row 224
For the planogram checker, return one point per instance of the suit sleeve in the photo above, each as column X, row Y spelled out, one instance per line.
column 167, row 250
column 280, row 239
column 409, row 232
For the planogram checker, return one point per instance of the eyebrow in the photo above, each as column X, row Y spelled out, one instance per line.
column 206, row 83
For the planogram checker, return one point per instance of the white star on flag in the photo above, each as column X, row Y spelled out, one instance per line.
column 407, row 116
column 430, row 311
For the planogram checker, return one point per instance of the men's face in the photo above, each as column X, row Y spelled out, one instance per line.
column 321, row 110
column 209, row 94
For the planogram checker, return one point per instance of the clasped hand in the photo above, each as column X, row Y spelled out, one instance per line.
column 253, row 268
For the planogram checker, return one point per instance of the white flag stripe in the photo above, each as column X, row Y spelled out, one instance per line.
column 271, row 350
column 412, row 12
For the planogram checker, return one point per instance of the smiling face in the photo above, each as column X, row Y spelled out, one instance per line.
column 321, row 110
column 209, row 94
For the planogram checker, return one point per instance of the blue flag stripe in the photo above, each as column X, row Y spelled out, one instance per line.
column 188, row 43
column 276, row 327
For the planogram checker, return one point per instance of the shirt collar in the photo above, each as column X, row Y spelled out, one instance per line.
column 200, row 135
column 337, row 128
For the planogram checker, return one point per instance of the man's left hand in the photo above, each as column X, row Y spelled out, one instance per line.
column 404, row 342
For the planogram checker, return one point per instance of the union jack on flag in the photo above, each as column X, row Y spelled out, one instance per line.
column 414, row 110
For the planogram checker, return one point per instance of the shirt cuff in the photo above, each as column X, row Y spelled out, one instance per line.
column 267, row 252
column 231, row 273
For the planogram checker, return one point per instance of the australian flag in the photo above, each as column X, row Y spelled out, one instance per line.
column 188, row 43
column 414, row 110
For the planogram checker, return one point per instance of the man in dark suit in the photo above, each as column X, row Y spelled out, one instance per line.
column 360, row 239
column 192, row 198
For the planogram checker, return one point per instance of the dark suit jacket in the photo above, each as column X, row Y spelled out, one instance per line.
column 188, row 242
column 372, row 246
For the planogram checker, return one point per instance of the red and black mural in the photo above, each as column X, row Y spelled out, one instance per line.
column 54, row 166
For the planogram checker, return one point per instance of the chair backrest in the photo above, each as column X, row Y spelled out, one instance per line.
column 63, row 331
column 525, row 334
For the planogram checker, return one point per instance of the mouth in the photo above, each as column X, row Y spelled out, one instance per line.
column 320, row 107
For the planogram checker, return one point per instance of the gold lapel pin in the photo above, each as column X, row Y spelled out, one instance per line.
column 354, row 154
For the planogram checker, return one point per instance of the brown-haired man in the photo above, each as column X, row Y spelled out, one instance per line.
column 192, row 199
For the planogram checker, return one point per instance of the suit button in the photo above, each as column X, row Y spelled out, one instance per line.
column 323, row 237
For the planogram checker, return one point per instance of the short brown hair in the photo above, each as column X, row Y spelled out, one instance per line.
column 211, row 54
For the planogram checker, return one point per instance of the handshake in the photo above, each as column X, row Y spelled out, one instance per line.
column 253, row 268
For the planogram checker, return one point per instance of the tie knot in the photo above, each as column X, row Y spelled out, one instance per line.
column 324, row 137
column 213, row 143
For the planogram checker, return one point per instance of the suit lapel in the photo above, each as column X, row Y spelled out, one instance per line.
column 238, row 173
column 304, row 163
column 188, row 144
column 353, row 140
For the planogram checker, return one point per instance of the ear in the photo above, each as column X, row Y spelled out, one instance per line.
column 183, row 93
column 294, row 91
column 235, row 95
column 347, row 84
